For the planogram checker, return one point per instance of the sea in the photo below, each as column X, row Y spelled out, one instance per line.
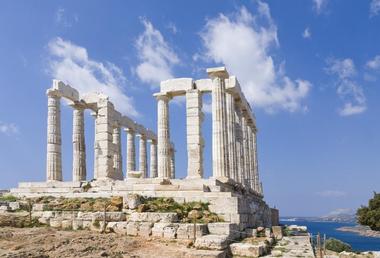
column 357, row 242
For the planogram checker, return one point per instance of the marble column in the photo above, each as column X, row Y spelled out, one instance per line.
column 142, row 156
column 79, row 147
column 131, row 151
column 117, row 159
column 232, row 159
column 95, row 115
column 258, row 186
column 251, row 157
column 54, row 156
column 172, row 161
column 194, row 118
column 104, row 141
column 219, row 124
column 163, row 140
column 245, row 180
column 153, row 158
column 239, row 143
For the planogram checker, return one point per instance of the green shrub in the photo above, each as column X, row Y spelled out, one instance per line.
column 8, row 198
column 182, row 209
column 370, row 215
column 338, row 246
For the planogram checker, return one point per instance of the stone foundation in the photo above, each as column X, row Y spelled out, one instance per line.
column 231, row 202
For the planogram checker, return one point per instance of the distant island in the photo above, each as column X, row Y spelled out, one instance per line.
column 361, row 230
column 341, row 218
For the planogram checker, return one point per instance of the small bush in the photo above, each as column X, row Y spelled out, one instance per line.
column 8, row 198
column 338, row 246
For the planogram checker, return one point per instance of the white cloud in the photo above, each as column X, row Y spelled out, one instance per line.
column 171, row 26
column 331, row 193
column 306, row 33
column 71, row 63
column 351, row 93
column 374, row 8
column 8, row 128
column 62, row 19
column 319, row 5
column 156, row 56
column 374, row 64
column 344, row 68
column 244, row 47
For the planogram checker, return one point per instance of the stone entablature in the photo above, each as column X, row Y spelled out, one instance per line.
column 107, row 146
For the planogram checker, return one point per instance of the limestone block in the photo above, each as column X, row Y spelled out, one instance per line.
column 67, row 224
column 250, row 232
column 131, row 201
column 121, row 227
column 56, row 222
column 224, row 228
column 43, row 220
column 170, row 231
column 110, row 216
column 158, row 229
column 4, row 208
column 186, row 231
column 39, row 207
column 37, row 214
column 48, row 214
column 206, row 254
column 77, row 224
column 14, row 205
column 277, row 232
column 214, row 242
column 133, row 228
column 87, row 224
column 246, row 249
column 85, row 215
column 154, row 217
column 145, row 229
column 268, row 232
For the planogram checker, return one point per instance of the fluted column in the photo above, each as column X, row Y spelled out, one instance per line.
column 163, row 140
column 95, row 115
column 219, row 123
column 142, row 156
column 258, row 185
column 172, row 161
column 79, row 147
column 117, row 159
column 54, row 156
column 194, row 118
column 245, row 151
column 131, row 151
column 153, row 158
column 239, row 143
column 251, row 157
column 230, row 110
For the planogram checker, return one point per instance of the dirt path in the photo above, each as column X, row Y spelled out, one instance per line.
column 48, row 242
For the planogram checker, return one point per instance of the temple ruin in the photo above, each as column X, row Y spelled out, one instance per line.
column 234, row 190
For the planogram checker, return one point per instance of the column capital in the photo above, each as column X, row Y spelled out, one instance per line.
column 218, row 72
column 141, row 135
column 129, row 130
column 53, row 93
column 162, row 96
column 152, row 141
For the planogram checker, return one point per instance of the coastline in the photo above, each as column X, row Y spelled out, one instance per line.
column 360, row 230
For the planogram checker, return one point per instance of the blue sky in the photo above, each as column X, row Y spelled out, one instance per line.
column 310, row 69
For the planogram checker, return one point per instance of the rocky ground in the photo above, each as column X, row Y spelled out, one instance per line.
column 47, row 242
